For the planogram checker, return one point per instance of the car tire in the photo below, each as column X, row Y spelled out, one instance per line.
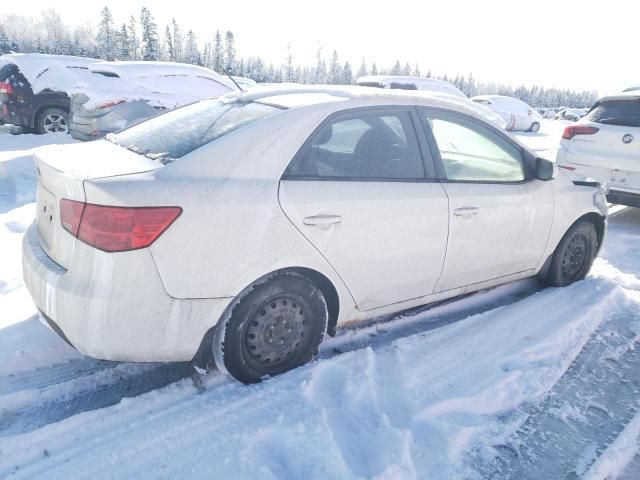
column 535, row 127
column 276, row 325
column 52, row 120
column 573, row 256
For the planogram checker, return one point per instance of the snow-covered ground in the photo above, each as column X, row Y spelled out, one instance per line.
column 515, row 382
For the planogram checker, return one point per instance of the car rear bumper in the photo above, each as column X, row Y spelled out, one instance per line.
column 624, row 198
column 116, row 308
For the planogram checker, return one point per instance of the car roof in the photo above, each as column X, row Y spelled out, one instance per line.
column 135, row 69
column 495, row 97
column 295, row 96
column 33, row 64
column 621, row 96
column 421, row 83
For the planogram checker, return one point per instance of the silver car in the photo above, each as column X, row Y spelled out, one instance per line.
column 120, row 94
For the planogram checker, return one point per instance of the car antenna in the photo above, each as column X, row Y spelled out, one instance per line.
column 233, row 80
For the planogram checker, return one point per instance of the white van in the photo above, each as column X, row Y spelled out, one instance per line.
column 517, row 114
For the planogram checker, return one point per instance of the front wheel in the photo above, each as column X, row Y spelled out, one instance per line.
column 275, row 326
column 535, row 127
column 573, row 256
column 52, row 120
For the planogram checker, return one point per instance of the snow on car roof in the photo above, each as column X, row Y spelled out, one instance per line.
column 421, row 83
column 292, row 96
column 32, row 65
column 157, row 69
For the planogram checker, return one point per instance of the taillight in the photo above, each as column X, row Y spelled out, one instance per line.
column 111, row 104
column 116, row 229
column 70, row 215
column 6, row 88
column 573, row 130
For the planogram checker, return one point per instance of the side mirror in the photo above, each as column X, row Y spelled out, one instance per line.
column 544, row 169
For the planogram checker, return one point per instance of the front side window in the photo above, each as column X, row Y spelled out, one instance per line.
column 471, row 153
column 380, row 145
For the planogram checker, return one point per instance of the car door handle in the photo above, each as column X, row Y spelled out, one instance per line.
column 322, row 219
column 466, row 212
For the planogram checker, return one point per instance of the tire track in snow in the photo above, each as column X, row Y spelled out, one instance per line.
column 61, row 391
column 584, row 411
column 174, row 432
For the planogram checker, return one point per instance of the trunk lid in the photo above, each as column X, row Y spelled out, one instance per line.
column 62, row 171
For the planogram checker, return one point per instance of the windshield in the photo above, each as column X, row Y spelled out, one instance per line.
column 172, row 135
column 623, row 112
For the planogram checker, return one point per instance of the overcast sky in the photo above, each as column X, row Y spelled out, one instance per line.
column 562, row 43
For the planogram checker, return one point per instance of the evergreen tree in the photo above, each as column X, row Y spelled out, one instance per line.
column 134, row 41
column 168, row 38
column 229, row 53
column 335, row 70
column 406, row 70
column 124, row 44
column 217, row 57
column 178, row 42
column 320, row 75
column 150, row 44
column 374, row 69
column 362, row 71
column 105, row 40
column 289, row 74
column 5, row 44
column 416, row 71
column 191, row 53
column 397, row 68
column 347, row 74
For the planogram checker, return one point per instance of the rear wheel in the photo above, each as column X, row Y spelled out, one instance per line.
column 573, row 256
column 275, row 326
column 52, row 120
column 535, row 127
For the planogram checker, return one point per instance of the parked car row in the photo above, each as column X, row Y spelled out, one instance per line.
column 90, row 98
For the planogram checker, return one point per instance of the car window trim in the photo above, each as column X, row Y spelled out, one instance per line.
column 493, row 132
column 428, row 165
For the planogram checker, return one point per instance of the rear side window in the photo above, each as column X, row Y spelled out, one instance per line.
column 172, row 135
column 623, row 112
column 371, row 145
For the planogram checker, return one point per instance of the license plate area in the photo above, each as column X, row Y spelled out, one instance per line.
column 46, row 216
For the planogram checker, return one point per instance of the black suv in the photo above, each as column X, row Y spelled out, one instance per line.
column 44, row 112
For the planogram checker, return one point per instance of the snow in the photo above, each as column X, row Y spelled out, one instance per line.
column 162, row 84
column 434, row 393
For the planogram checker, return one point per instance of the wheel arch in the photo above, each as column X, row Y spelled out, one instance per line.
column 42, row 108
column 203, row 357
column 598, row 221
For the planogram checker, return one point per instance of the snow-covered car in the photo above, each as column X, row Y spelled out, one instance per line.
column 246, row 227
column 30, row 92
column 571, row 114
column 430, row 85
column 517, row 114
column 605, row 146
column 119, row 94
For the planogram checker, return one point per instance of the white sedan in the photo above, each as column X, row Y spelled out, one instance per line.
column 244, row 228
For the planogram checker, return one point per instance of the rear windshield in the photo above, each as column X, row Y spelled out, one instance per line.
column 172, row 135
column 623, row 112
